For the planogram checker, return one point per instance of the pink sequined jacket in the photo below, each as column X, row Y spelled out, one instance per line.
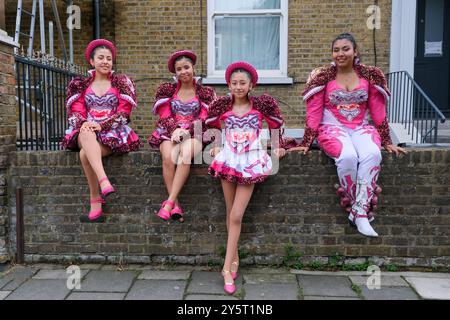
column 325, row 99
column 264, row 104
column 169, row 120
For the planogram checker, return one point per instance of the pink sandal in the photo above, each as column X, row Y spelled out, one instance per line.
column 163, row 213
column 234, row 274
column 228, row 287
column 108, row 190
column 95, row 214
column 177, row 213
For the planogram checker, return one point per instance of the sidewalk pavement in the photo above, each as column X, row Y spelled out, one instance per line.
column 106, row 282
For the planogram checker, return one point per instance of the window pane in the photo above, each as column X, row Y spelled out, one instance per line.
column 434, row 27
column 252, row 39
column 224, row 5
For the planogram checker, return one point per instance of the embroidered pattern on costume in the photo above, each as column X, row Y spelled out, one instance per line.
column 100, row 108
column 348, row 103
column 241, row 132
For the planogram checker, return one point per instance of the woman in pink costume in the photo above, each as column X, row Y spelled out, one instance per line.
column 339, row 101
column 98, row 112
column 242, row 162
column 182, row 108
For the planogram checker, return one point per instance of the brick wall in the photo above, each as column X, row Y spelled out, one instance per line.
column 7, row 133
column 296, row 207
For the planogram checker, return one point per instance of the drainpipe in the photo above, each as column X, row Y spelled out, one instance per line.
column 2, row 15
column 97, row 7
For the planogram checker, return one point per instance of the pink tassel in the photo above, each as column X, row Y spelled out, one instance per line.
column 378, row 190
column 345, row 202
column 374, row 200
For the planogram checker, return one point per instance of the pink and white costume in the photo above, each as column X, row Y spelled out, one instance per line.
column 339, row 119
column 112, row 111
column 173, row 113
column 243, row 159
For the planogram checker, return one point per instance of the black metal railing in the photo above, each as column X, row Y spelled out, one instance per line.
column 411, row 107
column 40, row 94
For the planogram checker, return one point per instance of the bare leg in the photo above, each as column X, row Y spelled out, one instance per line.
column 91, row 176
column 188, row 150
column 167, row 148
column 229, row 193
column 94, row 151
column 241, row 200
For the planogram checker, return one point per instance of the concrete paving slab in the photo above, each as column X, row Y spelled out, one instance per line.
column 261, row 278
column 272, row 291
column 389, row 293
column 203, row 282
column 157, row 290
column 431, row 288
column 15, row 277
column 107, row 281
column 112, row 267
column 164, row 275
column 47, row 266
column 56, row 274
column 41, row 290
column 328, row 298
column 253, row 270
column 89, row 266
column 209, row 297
column 89, row 296
column 390, row 281
column 328, row 273
column 326, row 286
column 426, row 275
column 4, row 294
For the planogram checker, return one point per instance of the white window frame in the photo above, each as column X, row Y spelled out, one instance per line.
column 265, row 76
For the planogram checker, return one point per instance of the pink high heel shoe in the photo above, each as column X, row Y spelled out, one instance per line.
column 108, row 190
column 229, row 287
column 163, row 213
column 234, row 274
column 95, row 214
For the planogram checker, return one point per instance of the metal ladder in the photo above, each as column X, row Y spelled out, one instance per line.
column 17, row 34
column 32, row 14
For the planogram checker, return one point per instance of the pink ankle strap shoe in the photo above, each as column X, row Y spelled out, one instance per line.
column 177, row 214
column 95, row 214
column 108, row 190
column 229, row 287
column 234, row 274
column 163, row 213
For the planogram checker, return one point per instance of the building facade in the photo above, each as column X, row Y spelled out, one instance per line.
column 285, row 38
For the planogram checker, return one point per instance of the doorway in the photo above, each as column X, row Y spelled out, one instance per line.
column 432, row 57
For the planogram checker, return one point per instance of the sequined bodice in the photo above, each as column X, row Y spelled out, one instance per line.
column 100, row 108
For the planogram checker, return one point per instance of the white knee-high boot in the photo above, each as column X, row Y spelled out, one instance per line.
column 358, row 215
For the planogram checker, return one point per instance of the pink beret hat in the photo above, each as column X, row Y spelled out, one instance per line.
column 174, row 56
column 97, row 43
column 242, row 65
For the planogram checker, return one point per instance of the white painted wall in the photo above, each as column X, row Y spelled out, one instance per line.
column 403, row 35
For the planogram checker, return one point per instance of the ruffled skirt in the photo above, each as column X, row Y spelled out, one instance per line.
column 120, row 140
column 246, row 168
